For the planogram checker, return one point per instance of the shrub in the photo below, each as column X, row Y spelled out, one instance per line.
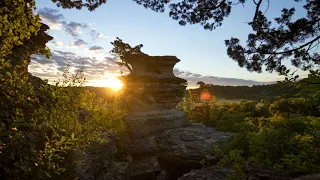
column 41, row 126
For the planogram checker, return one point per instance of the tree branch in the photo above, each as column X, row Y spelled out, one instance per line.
column 300, row 47
column 267, row 7
column 257, row 10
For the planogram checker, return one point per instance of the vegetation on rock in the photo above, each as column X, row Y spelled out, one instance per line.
column 282, row 133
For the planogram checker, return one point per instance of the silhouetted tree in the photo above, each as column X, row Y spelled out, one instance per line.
column 201, row 84
column 270, row 43
column 123, row 50
column 79, row 4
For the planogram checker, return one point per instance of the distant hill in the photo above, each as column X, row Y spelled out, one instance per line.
column 102, row 92
column 193, row 78
column 256, row 92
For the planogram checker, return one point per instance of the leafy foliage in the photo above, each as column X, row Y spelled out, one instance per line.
column 90, row 4
column 270, row 43
column 282, row 133
column 41, row 126
column 17, row 23
column 237, row 160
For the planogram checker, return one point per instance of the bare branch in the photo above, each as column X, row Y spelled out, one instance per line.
column 257, row 9
column 267, row 7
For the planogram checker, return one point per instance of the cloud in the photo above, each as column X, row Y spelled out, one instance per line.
column 56, row 43
column 95, row 49
column 96, row 35
column 57, row 20
column 96, row 68
column 64, row 53
column 41, row 60
column 73, row 28
column 77, row 43
column 53, row 68
column 193, row 78
column 51, row 15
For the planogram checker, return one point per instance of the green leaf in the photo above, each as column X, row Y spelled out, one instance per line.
column 21, row 36
column 72, row 136
column 63, row 138
column 31, row 29
column 9, row 74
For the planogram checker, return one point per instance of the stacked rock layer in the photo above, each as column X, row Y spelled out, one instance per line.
column 162, row 143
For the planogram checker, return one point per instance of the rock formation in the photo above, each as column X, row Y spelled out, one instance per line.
column 208, row 173
column 162, row 143
column 97, row 162
column 253, row 172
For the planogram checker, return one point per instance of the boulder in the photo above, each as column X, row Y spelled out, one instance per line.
column 309, row 177
column 256, row 172
column 181, row 150
column 148, row 123
column 96, row 162
column 118, row 171
column 207, row 173
column 144, row 168
column 177, row 151
column 163, row 175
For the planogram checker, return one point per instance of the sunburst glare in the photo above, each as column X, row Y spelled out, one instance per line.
column 112, row 82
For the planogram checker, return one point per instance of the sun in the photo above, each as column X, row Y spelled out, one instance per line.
column 113, row 83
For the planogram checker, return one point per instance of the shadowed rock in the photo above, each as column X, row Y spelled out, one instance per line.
column 97, row 162
column 163, row 144
column 256, row 172
column 181, row 150
column 208, row 173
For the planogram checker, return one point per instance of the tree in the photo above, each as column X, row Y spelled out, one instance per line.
column 17, row 24
column 201, row 84
column 123, row 50
column 270, row 43
column 90, row 4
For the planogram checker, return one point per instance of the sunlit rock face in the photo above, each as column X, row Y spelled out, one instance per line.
column 162, row 143
column 152, row 83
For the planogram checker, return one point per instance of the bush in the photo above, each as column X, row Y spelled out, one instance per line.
column 284, row 133
column 41, row 126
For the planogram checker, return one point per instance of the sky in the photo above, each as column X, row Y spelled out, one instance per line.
column 82, row 38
